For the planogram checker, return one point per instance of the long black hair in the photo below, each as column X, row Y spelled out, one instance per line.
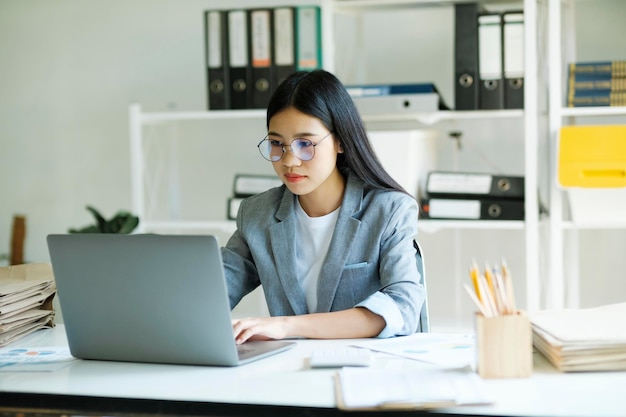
column 320, row 94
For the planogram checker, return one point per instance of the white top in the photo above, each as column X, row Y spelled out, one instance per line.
column 313, row 236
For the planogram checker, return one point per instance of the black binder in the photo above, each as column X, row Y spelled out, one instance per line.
column 284, row 43
column 260, row 49
column 513, row 43
column 474, row 185
column 239, row 63
column 466, row 56
column 472, row 209
column 490, row 61
column 216, row 52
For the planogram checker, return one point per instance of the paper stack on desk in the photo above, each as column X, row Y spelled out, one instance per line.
column 26, row 294
column 592, row 339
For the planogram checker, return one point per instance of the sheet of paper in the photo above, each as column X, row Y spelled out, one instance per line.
column 41, row 359
column 442, row 349
column 363, row 388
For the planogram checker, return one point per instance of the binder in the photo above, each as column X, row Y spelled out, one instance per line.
column 239, row 68
column 470, row 184
column 513, row 38
column 490, row 61
column 385, row 98
column 472, row 209
column 216, row 43
column 260, row 42
column 308, row 38
column 398, row 103
column 246, row 185
column 232, row 207
column 466, row 56
column 284, row 44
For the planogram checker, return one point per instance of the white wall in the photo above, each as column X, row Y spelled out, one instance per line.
column 70, row 68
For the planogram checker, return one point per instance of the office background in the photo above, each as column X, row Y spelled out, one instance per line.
column 70, row 69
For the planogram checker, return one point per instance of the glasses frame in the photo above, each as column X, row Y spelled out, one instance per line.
column 284, row 147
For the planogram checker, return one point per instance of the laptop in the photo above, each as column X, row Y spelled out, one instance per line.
column 148, row 298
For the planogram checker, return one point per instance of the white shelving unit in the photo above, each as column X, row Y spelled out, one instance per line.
column 564, row 288
column 528, row 117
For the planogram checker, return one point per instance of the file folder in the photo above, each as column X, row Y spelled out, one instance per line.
column 513, row 28
column 308, row 38
column 218, row 91
column 239, row 68
column 472, row 209
column 592, row 168
column 246, row 185
column 490, row 61
column 232, row 208
column 469, row 184
column 284, row 43
column 466, row 56
column 260, row 42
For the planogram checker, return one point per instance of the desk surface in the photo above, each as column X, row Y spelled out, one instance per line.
column 279, row 385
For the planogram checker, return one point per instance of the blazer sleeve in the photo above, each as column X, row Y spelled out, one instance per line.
column 402, row 293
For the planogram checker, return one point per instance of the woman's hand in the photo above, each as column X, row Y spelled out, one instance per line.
column 347, row 324
column 255, row 328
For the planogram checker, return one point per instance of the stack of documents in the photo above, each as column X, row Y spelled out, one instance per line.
column 370, row 389
column 592, row 339
column 26, row 294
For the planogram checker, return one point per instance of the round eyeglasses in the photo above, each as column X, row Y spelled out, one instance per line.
column 303, row 149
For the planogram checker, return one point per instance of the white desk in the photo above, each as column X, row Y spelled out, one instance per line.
column 279, row 385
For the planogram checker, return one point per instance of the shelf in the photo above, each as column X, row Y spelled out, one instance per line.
column 593, row 111
column 432, row 226
column 432, row 118
column 426, row 118
column 188, row 226
column 356, row 5
column 608, row 225
column 157, row 117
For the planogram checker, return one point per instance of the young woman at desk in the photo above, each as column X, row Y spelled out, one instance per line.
column 333, row 248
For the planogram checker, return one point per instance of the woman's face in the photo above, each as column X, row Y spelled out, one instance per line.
column 320, row 174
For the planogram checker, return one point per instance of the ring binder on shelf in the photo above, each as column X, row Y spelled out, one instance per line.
column 284, row 44
column 513, row 36
column 490, row 61
column 472, row 209
column 466, row 56
column 308, row 38
column 260, row 43
column 218, row 90
column 469, row 184
column 238, row 59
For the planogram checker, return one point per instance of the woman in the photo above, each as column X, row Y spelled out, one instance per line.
column 333, row 247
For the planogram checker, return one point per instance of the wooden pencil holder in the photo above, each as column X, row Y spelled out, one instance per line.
column 504, row 346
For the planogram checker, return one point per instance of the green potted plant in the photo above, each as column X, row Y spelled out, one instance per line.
column 122, row 222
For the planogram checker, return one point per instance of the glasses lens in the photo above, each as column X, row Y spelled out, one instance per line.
column 303, row 149
column 271, row 150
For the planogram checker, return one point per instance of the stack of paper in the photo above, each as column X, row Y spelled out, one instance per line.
column 592, row 339
column 371, row 389
column 26, row 294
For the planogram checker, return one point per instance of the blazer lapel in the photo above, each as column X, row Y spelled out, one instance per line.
column 340, row 245
column 282, row 234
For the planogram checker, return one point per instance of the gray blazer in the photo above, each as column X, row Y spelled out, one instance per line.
column 370, row 262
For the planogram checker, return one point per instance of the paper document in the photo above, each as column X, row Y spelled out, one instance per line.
column 41, row 359
column 591, row 339
column 367, row 388
column 442, row 349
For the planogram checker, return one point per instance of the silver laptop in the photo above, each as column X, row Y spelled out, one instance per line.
column 148, row 298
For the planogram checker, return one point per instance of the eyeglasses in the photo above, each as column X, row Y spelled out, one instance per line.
column 303, row 149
